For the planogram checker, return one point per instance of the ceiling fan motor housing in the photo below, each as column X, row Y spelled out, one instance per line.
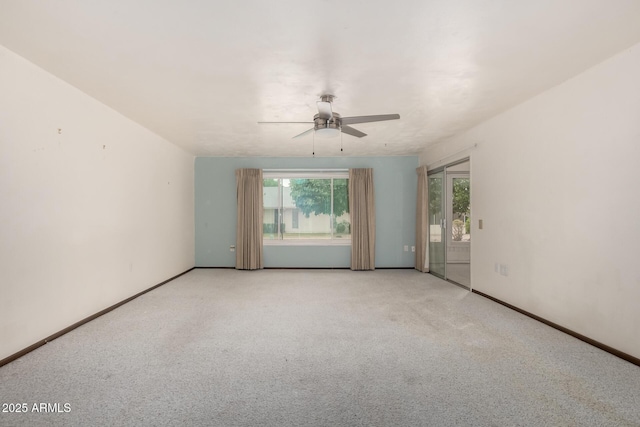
column 327, row 128
column 334, row 122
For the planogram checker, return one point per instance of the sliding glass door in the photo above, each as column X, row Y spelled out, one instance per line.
column 450, row 223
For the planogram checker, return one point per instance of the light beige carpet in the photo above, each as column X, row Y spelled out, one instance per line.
column 319, row 348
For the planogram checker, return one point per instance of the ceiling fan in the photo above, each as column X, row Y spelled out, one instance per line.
column 328, row 123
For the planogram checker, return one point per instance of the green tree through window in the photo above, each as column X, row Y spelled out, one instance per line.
column 461, row 196
column 314, row 196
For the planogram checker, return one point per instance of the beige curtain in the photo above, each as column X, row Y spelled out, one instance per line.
column 249, row 225
column 363, row 219
column 422, row 221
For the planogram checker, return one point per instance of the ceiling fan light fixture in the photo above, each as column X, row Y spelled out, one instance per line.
column 327, row 132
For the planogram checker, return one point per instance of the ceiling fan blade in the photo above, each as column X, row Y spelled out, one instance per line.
column 303, row 133
column 351, row 131
column 324, row 110
column 262, row 123
column 367, row 119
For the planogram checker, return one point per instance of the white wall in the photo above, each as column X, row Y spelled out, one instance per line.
column 89, row 216
column 549, row 178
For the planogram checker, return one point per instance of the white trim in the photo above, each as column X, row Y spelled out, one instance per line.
column 452, row 158
column 307, row 242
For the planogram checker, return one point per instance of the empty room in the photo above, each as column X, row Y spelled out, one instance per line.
column 297, row 213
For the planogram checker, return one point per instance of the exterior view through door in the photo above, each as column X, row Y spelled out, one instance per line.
column 450, row 223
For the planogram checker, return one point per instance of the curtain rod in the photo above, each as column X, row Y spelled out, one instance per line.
column 471, row 147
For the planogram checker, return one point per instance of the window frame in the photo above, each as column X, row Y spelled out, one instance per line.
column 305, row 174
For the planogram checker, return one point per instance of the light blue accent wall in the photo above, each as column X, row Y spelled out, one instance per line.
column 395, row 184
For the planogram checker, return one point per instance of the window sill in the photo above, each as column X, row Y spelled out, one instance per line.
column 307, row 242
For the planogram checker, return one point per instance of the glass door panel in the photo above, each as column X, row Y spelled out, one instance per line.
column 436, row 222
column 458, row 233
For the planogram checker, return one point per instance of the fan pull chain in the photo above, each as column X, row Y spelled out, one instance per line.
column 313, row 153
column 341, row 141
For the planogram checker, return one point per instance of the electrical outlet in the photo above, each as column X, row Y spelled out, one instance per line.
column 413, row 248
column 232, row 248
column 406, row 248
column 504, row 270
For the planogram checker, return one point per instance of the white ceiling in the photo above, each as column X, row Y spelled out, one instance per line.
column 202, row 73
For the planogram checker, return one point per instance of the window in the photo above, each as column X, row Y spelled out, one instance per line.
column 306, row 207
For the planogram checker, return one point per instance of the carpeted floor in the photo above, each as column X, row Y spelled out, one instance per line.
column 318, row 348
